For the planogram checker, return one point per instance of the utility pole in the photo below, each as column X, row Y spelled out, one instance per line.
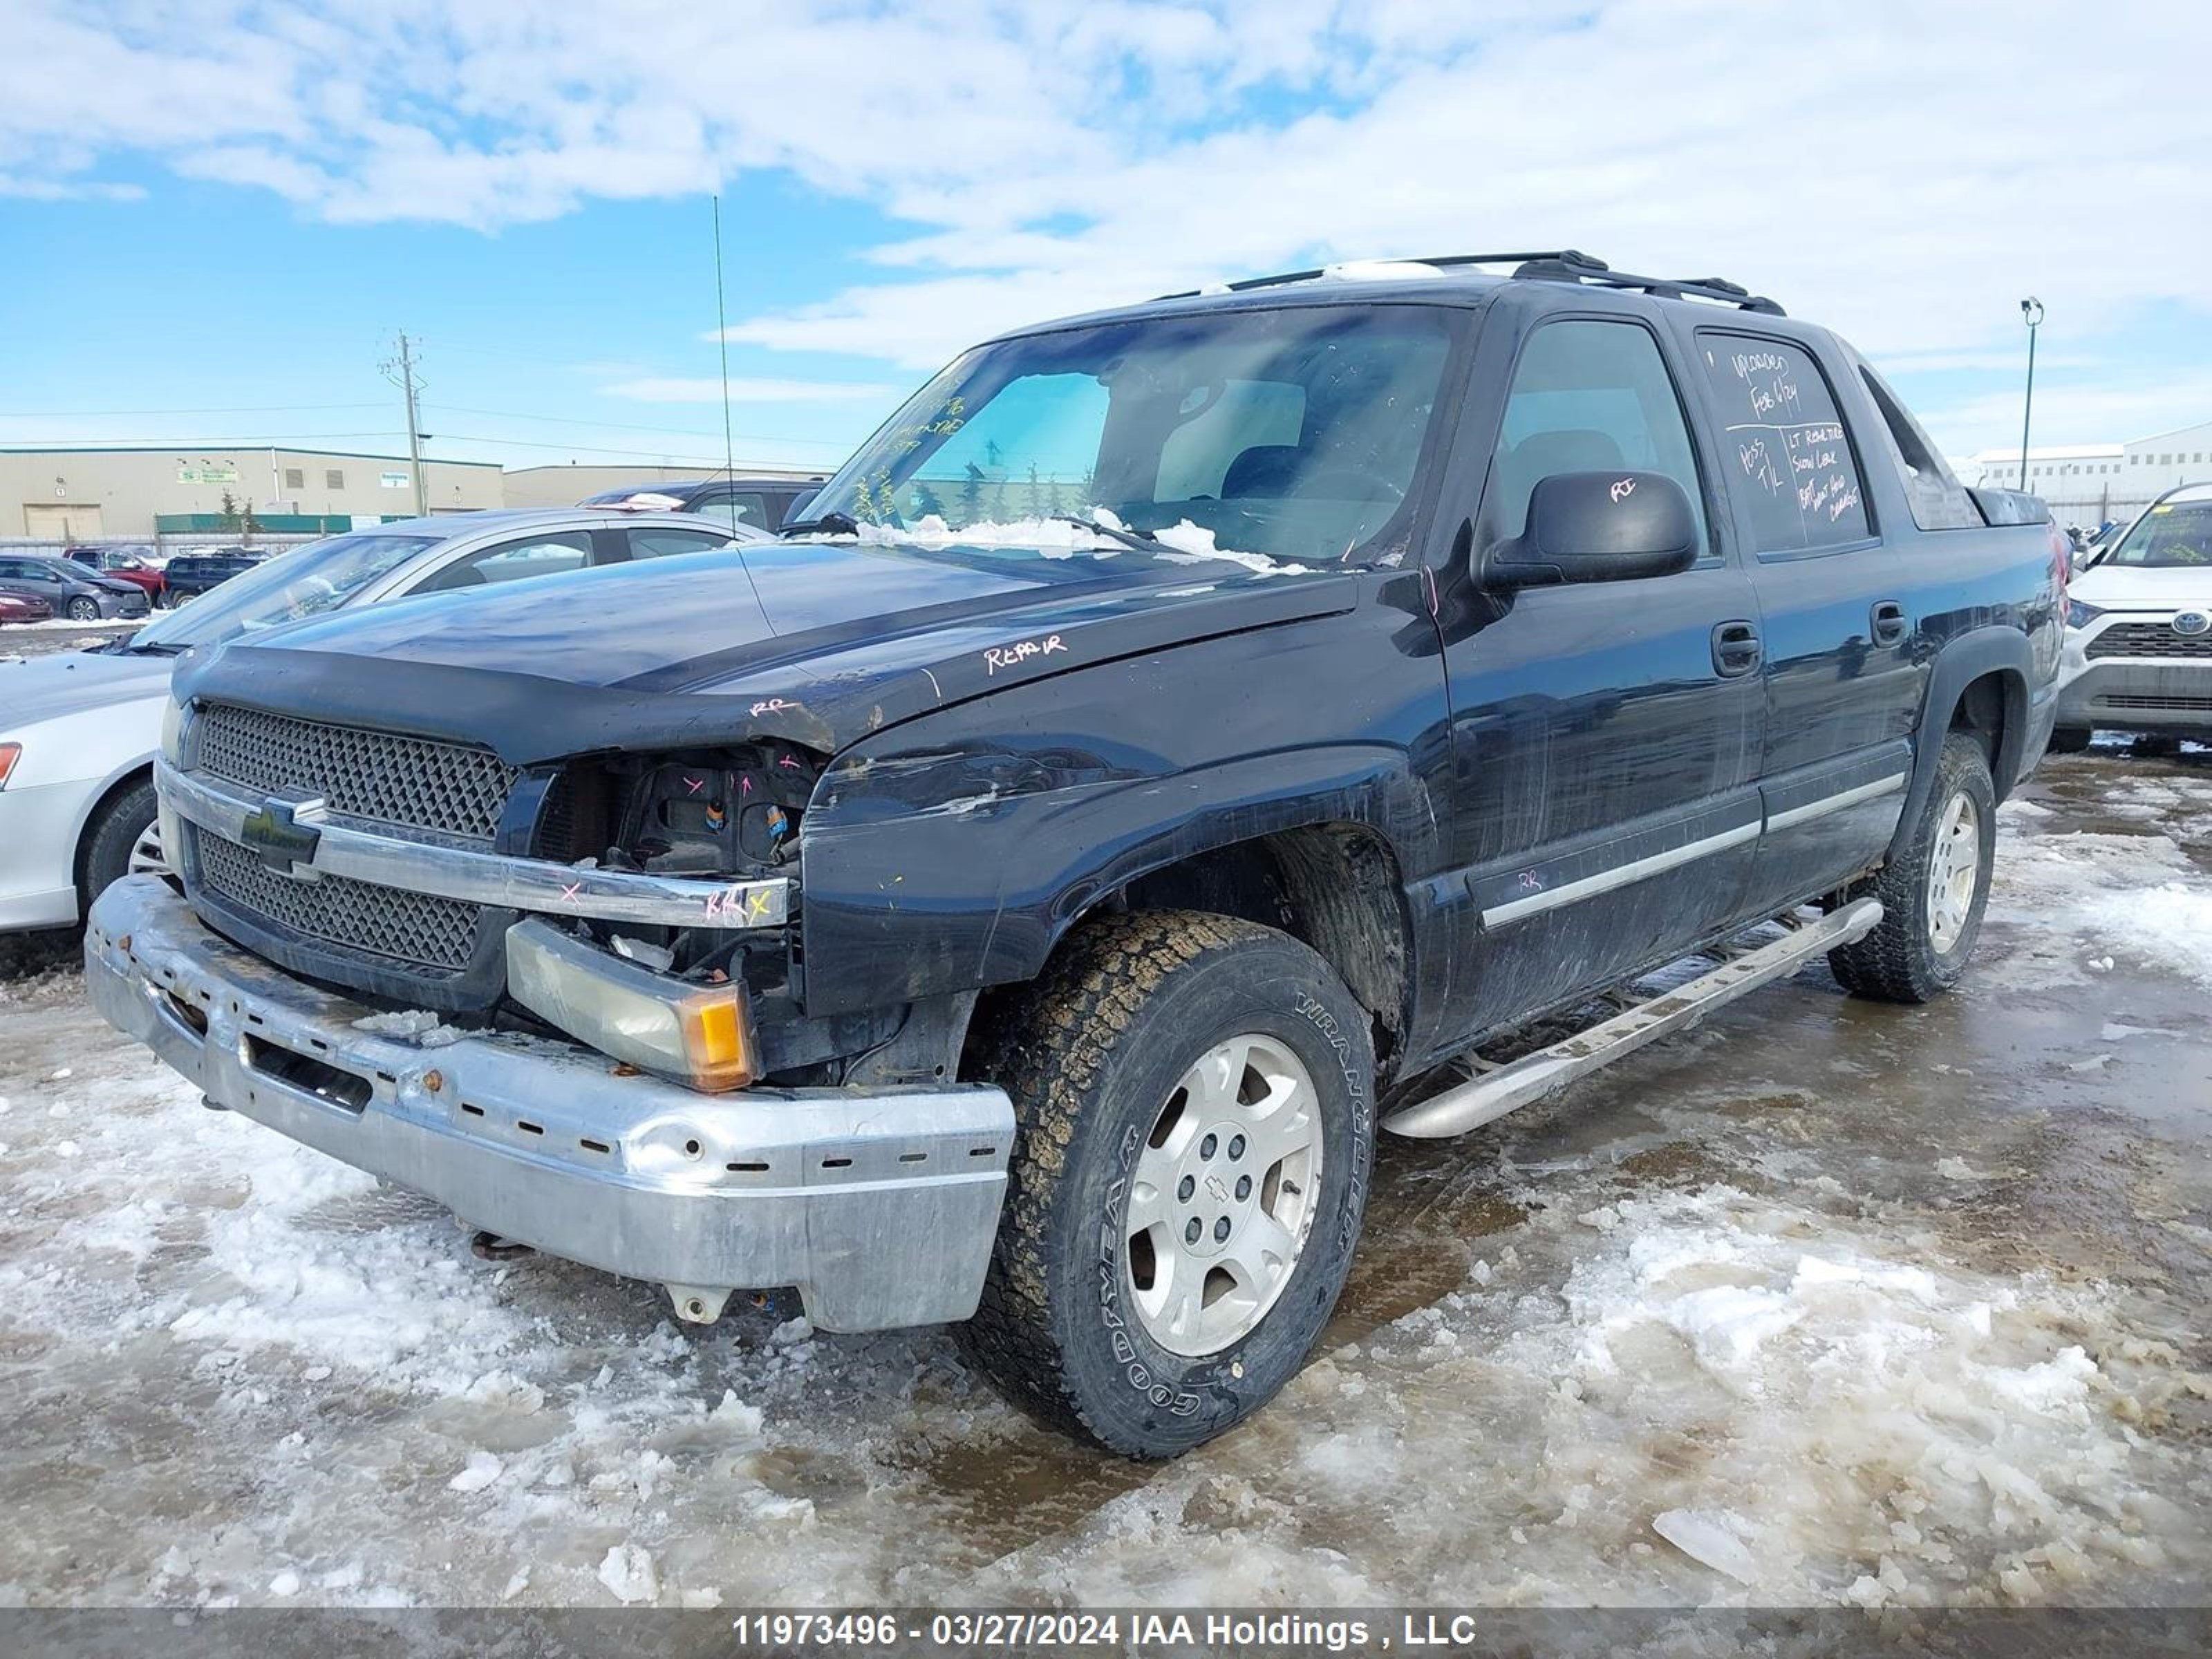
column 400, row 371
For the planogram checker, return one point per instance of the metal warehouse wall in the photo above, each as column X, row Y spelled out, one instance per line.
column 85, row 493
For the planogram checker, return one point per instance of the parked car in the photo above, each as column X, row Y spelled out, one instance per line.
column 78, row 810
column 21, row 608
column 2139, row 629
column 70, row 590
column 188, row 575
column 973, row 917
column 127, row 564
column 763, row 503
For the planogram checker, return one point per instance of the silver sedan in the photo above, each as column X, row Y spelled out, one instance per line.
column 78, row 730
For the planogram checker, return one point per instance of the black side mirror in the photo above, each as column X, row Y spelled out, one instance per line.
column 1597, row 527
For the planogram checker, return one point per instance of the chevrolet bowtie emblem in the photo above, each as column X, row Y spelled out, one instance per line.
column 276, row 836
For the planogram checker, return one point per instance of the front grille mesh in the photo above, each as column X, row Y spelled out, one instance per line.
column 412, row 931
column 452, row 787
column 2149, row 640
column 2138, row 700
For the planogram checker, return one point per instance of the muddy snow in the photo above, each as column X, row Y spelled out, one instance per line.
column 1823, row 1302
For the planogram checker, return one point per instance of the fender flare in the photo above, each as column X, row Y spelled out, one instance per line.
column 1994, row 649
column 999, row 885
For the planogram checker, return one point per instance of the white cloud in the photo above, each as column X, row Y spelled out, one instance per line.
column 749, row 389
column 1902, row 171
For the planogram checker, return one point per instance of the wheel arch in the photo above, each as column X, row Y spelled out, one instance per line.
column 1979, row 682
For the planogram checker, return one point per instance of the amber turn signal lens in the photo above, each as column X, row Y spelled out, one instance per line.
column 717, row 1039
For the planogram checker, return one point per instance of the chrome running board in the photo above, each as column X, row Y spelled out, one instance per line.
column 1496, row 1090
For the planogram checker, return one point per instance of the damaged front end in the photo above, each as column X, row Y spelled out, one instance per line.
column 686, row 1124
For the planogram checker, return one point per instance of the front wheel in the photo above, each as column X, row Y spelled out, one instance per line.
column 124, row 840
column 84, row 611
column 1196, row 1130
column 1934, row 893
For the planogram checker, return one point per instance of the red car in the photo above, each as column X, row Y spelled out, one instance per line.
column 124, row 564
column 21, row 607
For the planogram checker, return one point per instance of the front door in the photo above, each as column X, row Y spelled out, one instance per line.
column 1606, row 736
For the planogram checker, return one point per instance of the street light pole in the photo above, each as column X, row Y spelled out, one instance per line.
column 2031, row 312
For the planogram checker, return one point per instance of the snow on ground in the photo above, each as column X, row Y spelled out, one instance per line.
column 1821, row 1303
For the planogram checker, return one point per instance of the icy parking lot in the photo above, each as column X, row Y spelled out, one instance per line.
column 1825, row 1302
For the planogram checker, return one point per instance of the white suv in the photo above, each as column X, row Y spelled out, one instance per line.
column 2139, row 630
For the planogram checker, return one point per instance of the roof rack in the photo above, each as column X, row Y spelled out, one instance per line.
column 1560, row 266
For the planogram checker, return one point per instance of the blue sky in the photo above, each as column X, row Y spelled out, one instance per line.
column 215, row 216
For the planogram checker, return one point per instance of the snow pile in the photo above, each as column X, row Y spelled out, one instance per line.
column 1050, row 537
column 416, row 1025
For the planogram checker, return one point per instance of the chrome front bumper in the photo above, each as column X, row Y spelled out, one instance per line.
column 880, row 1206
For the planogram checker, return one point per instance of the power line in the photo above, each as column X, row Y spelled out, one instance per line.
column 603, row 426
column 235, row 409
column 590, row 449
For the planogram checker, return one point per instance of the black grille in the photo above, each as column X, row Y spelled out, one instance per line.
column 410, row 930
column 2138, row 700
column 2149, row 640
column 453, row 787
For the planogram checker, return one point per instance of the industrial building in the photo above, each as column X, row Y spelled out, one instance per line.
column 143, row 494
column 75, row 494
column 2088, row 484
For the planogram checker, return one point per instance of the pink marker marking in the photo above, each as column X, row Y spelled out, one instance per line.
column 572, row 894
column 745, row 785
column 695, row 785
column 789, row 763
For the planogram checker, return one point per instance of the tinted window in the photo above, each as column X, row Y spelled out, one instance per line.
column 1785, row 448
column 655, row 543
column 551, row 554
column 1589, row 397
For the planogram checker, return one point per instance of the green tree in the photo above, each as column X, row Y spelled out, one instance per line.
column 971, row 496
column 237, row 516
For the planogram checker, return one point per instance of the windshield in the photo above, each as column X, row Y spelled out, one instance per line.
column 2167, row 537
column 1292, row 433
column 304, row 582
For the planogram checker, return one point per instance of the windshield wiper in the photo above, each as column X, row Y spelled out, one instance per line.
column 1143, row 540
column 837, row 524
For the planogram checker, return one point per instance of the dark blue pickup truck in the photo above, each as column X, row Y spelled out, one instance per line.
column 1020, row 895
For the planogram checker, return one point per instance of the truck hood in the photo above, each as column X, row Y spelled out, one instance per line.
column 2115, row 587
column 39, row 688
column 817, row 642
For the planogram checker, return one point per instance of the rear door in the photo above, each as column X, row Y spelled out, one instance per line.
column 1605, row 736
column 1843, row 674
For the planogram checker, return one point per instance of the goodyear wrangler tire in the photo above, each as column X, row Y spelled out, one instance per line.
column 1196, row 1131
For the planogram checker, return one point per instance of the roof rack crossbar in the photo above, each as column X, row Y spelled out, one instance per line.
column 1557, row 265
column 1277, row 279
column 1566, row 268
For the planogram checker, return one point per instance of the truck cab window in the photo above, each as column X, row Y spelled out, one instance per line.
column 1788, row 451
column 1589, row 397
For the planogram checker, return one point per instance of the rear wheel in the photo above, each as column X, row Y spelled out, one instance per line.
column 1934, row 893
column 1188, row 1178
column 2070, row 739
